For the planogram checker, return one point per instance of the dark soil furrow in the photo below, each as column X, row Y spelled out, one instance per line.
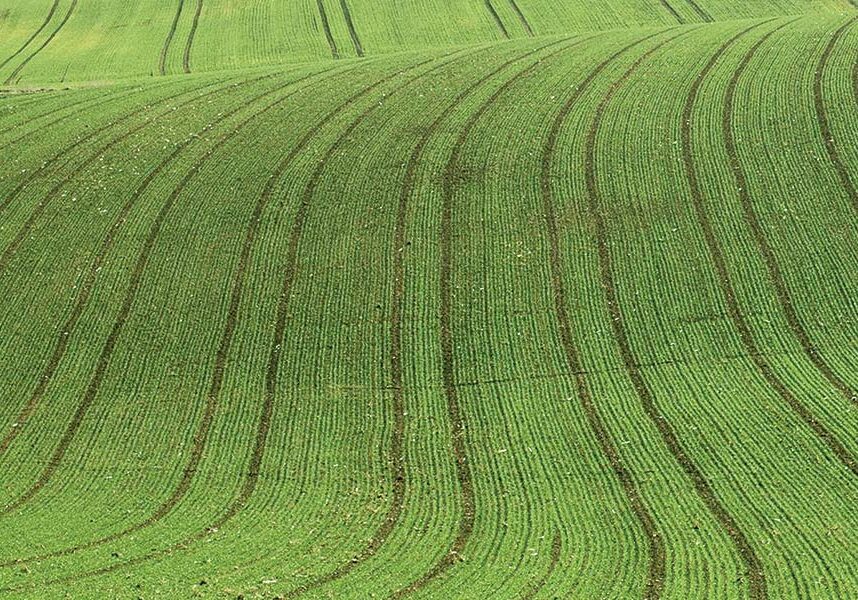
column 496, row 17
column 397, row 448
column 186, row 57
column 521, row 18
column 30, row 39
column 822, row 118
column 165, row 49
column 556, row 548
column 753, row 567
column 252, row 477
column 74, row 146
column 704, row 16
column 327, row 29
column 59, row 348
column 344, row 6
column 457, row 423
column 672, row 11
column 739, row 320
column 655, row 543
column 774, row 271
column 44, row 45
column 119, row 323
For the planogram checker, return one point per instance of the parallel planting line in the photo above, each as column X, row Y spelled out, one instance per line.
column 672, row 11
column 704, row 16
column 47, row 41
column 71, row 148
column 352, row 31
column 753, row 567
column 201, row 435
column 60, row 347
column 822, row 117
column 556, row 548
column 397, row 443
column 165, row 49
column 327, row 28
column 13, row 246
column 121, row 95
column 736, row 315
column 496, row 17
column 30, row 39
column 456, row 419
column 656, row 566
column 186, row 58
column 521, row 18
column 752, row 218
column 252, row 477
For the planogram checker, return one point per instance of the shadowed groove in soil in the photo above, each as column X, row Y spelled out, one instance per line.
column 496, row 18
column 347, row 15
column 656, row 567
column 822, row 118
column 327, row 29
column 107, row 349
column 186, row 57
column 521, row 17
column 556, row 549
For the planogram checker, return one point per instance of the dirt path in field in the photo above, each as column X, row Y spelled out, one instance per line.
column 165, row 49
column 44, row 45
column 672, row 11
column 725, row 282
column 704, row 16
column 203, row 429
column 556, row 549
column 59, row 349
column 30, row 39
column 457, row 423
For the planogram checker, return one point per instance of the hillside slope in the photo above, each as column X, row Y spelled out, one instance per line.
column 570, row 315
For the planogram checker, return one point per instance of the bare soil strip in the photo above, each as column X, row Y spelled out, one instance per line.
column 706, row 17
column 397, row 447
column 203, row 429
column 753, row 567
column 521, row 18
column 556, row 549
column 673, row 12
column 457, row 423
column 252, row 478
column 44, row 45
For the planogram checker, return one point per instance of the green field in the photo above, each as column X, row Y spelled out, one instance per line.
column 482, row 299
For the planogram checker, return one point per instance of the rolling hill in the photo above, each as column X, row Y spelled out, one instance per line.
column 486, row 299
